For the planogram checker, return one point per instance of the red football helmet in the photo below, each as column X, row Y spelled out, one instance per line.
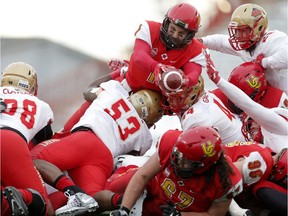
column 247, row 26
column 279, row 173
column 251, row 79
column 185, row 16
column 195, row 151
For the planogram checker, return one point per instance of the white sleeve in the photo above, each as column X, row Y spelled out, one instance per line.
column 219, row 43
column 144, row 33
column 274, row 46
column 278, row 60
column 267, row 118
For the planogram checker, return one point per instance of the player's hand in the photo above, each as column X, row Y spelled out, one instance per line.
column 169, row 209
column 159, row 69
column 3, row 105
column 120, row 212
column 255, row 132
column 258, row 59
column 211, row 71
column 115, row 64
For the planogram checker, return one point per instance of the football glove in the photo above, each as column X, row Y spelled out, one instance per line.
column 123, row 211
column 115, row 64
column 169, row 209
column 159, row 69
column 211, row 71
column 258, row 59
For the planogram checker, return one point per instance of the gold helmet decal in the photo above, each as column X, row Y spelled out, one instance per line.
column 208, row 149
column 253, row 82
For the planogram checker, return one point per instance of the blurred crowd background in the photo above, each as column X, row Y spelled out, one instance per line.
column 70, row 42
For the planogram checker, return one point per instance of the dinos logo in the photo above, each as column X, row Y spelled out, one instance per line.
column 253, row 82
column 208, row 149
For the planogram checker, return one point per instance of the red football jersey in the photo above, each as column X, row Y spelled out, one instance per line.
column 138, row 77
column 193, row 194
column 258, row 160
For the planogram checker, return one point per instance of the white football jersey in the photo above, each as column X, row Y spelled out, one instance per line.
column 274, row 45
column 25, row 112
column 210, row 111
column 116, row 122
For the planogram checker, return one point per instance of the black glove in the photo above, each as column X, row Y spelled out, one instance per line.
column 123, row 211
column 3, row 105
column 169, row 209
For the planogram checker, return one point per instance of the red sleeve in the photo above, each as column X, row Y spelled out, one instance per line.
column 115, row 74
column 142, row 56
column 193, row 71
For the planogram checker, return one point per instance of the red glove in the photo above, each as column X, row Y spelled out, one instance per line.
column 258, row 59
column 159, row 69
column 211, row 71
column 115, row 64
column 255, row 132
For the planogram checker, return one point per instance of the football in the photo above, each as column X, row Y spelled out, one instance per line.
column 172, row 80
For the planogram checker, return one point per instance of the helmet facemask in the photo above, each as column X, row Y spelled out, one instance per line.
column 170, row 41
column 240, row 37
column 184, row 168
column 184, row 16
column 247, row 26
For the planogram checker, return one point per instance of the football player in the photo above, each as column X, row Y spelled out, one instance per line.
column 250, row 39
column 184, row 176
column 115, row 123
column 23, row 118
column 272, row 123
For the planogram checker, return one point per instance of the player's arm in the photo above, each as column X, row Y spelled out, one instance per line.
column 218, row 43
column 192, row 70
column 142, row 57
column 278, row 60
column 139, row 181
column 267, row 118
column 263, row 116
column 89, row 92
